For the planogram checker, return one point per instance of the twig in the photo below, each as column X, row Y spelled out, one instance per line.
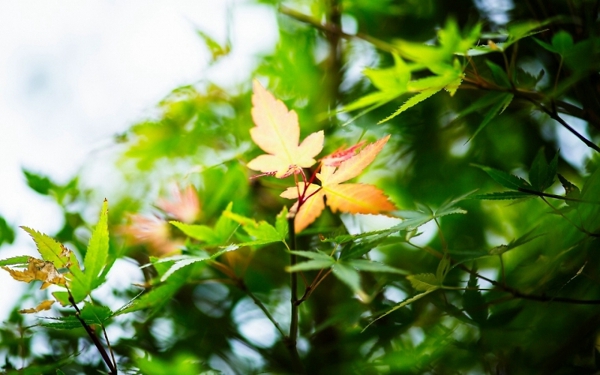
column 329, row 28
column 293, row 337
column 93, row 337
column 514, row 292
column 240, row 284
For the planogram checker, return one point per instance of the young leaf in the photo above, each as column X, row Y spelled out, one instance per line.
column 198, row 232
column 184, row 261
column 414, row 100
column 281, row 223
column 349, row 198
column 277, row 133
column 262, row 232
column 97, row 251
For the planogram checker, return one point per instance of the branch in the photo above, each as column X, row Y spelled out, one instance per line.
column 293, row 337
column 93, row 337
column 334, row 29
column 514, row 292
column 240, row 284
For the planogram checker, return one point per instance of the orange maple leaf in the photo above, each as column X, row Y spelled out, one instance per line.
column 277, row 133
column 350, row 198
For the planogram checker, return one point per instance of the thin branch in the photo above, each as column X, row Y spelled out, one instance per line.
column 293, row 337
column 514, row 292
column 554, row 196
column 242, row 285
column 329, row 28
column 554, row 115
column 93, row 337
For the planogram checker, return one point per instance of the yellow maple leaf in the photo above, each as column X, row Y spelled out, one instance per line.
column 277, row 132
column 345, row 197
column 44, row 305
column 38, row 269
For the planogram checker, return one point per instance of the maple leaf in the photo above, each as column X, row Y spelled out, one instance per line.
column 345, row 197
column 44, row 305
column 38, row 269
column 277, row 132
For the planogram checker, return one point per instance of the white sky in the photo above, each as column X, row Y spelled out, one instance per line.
column 73, row 73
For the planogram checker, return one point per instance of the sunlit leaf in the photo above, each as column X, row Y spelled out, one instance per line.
column 97, row 251
column 349, row 198
column 261, row 232
column 277, row 133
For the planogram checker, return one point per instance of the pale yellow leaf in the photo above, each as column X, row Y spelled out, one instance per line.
column 277, row 132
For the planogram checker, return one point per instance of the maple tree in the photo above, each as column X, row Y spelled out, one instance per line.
column 256, row 245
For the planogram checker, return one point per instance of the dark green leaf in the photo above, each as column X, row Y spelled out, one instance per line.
column 496, row 109
column 40, row 184
column 7, row 234
column 473, row 301
column 541, row 174
column 562, row 42
column 500, row 76
column 507, row 180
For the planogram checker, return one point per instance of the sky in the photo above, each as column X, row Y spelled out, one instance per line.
column 73, row 74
